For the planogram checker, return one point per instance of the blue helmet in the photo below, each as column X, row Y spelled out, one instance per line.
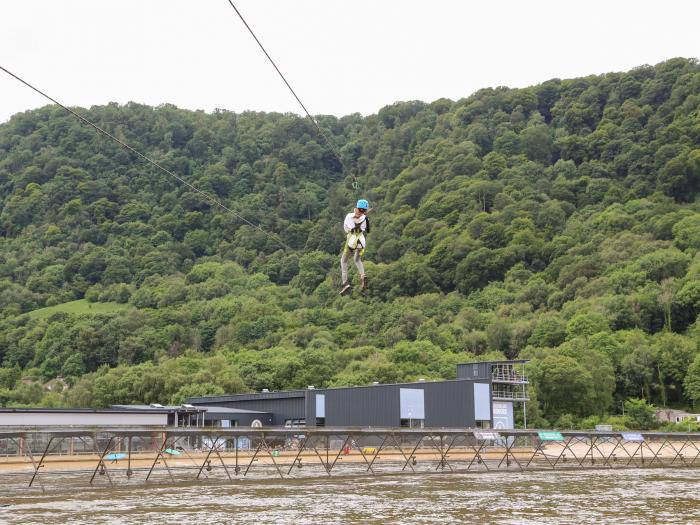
column 363, row 204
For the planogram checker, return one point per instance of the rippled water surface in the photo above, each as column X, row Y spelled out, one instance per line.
column 621, row 496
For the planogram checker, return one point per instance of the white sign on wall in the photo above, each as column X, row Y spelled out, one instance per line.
column 320, row 405
column 412, row 403
column 482, row 402
column 503, row 414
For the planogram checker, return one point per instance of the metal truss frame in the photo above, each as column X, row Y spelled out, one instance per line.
column 376, row 451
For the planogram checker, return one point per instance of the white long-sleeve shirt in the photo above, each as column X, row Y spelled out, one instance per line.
column 350, row 224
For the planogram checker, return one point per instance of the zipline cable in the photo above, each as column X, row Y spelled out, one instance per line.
column 325, row 136
column 148, row 159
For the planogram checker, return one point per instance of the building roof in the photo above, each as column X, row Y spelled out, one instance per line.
column 498, row 362
column 113, row 410
column 228, row 410
column 249, row 396
column 286, row 394
column 675, row 412
column 165, row 408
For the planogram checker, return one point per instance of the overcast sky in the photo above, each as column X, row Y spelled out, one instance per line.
column 340, row 56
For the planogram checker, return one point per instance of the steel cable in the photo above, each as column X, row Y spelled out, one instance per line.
column 148, row 159
column 355, row 183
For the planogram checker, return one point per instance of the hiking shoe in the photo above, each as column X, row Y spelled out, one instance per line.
column 364, row 282
column 345, row 289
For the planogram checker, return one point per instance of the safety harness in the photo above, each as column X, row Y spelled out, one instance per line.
column 355, row 235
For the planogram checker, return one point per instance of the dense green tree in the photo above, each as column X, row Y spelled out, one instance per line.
column 557, row 222
column 640, row 414
column 691, row 383
column 563, row 386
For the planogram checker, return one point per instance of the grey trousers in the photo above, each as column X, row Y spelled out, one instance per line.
column 345, row 259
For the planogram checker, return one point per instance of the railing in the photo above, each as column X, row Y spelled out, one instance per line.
column 507, row 377
column 509, row 395
column 229, row 454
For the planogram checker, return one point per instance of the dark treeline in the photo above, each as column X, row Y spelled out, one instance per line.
column 558, row 223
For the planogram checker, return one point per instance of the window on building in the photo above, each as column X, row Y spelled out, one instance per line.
column 294, row 423
column 320, row 421
column 413, row 423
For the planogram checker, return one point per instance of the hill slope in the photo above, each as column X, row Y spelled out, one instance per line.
column 558, row 222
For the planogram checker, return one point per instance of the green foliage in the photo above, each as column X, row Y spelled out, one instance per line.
column 586, row 324
column 689, row 425
column 692, row 381
column 172, row 381
column 79, row 307
column 563, row 385
column 558, row 223
column 640, row 414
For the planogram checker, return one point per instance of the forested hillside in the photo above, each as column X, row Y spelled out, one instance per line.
column 558, row 223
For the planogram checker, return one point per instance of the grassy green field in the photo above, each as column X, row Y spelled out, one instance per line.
column 78, row 307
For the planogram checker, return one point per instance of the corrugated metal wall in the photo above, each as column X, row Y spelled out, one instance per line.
column 371, row 406
column 447, row 404
column 280, row 408
column 474, row 371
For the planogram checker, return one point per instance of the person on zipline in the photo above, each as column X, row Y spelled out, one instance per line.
column 356, row 226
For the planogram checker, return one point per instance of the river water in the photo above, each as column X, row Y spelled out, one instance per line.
column 594, row 496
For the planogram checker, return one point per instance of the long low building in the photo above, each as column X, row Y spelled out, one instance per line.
column 482, row 396
column 76, row 417
column 154, row 415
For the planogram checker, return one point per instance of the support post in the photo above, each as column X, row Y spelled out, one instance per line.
column 357, row 446
column 376, row 455
column 345, row 443
column 412, row 456
column 159, row 454
column 296, row 458
column 129, row 472
column 443, row 455
column 211, row 449
column 255, row 454
column 324, row 464
column 408, row 462
column 477, row 454
column 269, row 453
column 539, row 448
column 223, row 463
column 442, row 462
column 41, row 461
column 509, row 454
column 236, row 446
column 100, row 461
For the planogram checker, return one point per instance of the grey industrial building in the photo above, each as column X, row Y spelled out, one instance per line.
column 482, row 396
